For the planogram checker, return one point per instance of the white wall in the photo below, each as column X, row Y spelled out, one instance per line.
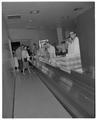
column 33, row 36
column 23, row 34
column 8, row 76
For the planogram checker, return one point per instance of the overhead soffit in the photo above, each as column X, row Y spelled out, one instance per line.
column 50, row 13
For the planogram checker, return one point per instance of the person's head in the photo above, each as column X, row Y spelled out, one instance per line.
column 66, row 34
column 34, row 46
column 71, row 38
column 22, row 46
column 28, row 48
column 72, row 35
column 44, row 45
column 47, row 44
column 25, row 48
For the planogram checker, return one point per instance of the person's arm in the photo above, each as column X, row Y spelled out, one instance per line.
column 28, row 57
column 76, row 46
column 54, row 53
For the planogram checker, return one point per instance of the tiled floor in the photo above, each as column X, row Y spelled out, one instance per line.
column 34, row 100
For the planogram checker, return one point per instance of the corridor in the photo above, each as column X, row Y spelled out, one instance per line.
column 34, row 100
column 56, row 40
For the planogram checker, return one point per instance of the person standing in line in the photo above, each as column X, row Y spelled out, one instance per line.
column 16, row 65
column 25, row 59
column 34, row 52
column 19, row 57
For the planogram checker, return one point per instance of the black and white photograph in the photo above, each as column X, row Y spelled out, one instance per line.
column 48, row 59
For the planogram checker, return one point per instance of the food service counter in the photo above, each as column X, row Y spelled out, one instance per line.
column 74, row 91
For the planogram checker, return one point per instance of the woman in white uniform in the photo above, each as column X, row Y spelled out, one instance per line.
column 73, row 45
column 73, row 57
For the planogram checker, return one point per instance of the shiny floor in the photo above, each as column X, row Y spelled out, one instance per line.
column 34, row 100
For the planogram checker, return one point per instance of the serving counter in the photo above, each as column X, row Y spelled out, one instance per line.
column 75, row 91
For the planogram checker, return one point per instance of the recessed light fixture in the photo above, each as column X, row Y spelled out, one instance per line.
column 78, row 9
column 34, row 12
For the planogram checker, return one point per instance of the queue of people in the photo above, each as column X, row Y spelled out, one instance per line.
column 22, row 59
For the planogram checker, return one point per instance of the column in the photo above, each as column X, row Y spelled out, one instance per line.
column 59, row 34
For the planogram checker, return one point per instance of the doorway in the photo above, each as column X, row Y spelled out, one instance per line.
column 15, row 45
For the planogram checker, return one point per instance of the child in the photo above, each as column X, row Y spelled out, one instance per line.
column 16, row 65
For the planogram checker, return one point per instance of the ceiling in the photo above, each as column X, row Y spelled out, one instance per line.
column 50, row 14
